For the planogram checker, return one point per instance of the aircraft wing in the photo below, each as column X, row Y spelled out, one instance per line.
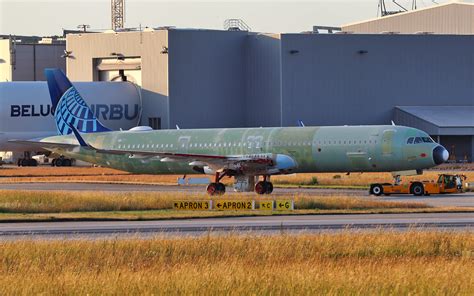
column 44, row 145
column 217, row 162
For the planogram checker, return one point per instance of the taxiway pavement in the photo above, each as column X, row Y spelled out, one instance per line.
column 266, row 224
column 451, row 200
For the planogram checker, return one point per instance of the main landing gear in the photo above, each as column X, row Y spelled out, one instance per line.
column 264, row 187
column 216, row 188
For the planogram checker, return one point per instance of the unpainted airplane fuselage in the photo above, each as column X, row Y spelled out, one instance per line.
column 314, row 149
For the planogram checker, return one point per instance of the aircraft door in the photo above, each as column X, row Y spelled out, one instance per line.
column 387, row 142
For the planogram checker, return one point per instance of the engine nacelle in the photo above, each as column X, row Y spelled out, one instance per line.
column 282, row 164
column 204, row 169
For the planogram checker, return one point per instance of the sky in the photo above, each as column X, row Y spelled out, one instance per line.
column 46, row 18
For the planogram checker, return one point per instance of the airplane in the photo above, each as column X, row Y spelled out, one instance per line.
column 242, row 153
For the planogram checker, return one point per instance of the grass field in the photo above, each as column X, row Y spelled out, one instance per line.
column 95, row 174
column 47, row 206
column 376, row 263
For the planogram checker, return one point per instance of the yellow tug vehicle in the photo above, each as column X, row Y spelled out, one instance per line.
column 447, row 183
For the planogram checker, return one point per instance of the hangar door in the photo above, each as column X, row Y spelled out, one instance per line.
column 119, row 69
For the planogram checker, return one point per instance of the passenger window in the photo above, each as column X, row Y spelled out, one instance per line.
column 410, row 140
column 418, row 140
column 427, row 140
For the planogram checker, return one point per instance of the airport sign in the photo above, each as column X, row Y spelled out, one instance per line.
column 266, row 205
column 284, row 205
column 234, row 205
column 191, row 205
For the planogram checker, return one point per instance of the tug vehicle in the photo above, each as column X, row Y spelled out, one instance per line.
column 447, row 183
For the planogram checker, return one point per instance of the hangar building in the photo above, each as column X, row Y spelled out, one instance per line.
column 23, row 58
column 453, row 18
column 210, row 78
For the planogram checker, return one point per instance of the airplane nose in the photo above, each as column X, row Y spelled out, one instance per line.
column 440, row 155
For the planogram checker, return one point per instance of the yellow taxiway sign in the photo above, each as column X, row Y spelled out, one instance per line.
column 192, row 205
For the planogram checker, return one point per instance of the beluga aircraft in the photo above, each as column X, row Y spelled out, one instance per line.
column 247, row 154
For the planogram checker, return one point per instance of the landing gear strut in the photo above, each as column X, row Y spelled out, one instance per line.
column 265, row 186
column 27, row 160
column 216, row 188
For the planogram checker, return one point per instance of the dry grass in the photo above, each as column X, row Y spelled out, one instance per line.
column 356, row 179
column 14, row 201
column 95, row 174
column 380, row 263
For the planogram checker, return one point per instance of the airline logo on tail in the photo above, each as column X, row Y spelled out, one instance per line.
column 69, row 108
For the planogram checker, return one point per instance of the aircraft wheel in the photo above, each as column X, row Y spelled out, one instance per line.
column 220, row 188
column 417, row 189
column 377, row 190
column 260, row 187
column 212, row 189
column 67, row 162
column 269, row 187
column 32, row 162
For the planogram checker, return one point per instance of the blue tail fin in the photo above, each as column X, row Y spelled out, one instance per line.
column 69, row 108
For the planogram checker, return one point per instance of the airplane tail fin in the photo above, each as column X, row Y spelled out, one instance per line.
column 69, row 108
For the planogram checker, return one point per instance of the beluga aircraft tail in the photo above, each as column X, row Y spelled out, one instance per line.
column 68, row 107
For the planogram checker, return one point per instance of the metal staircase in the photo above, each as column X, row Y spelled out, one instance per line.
column 236, row 25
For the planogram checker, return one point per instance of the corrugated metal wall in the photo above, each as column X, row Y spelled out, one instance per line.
column 206, row 78
column 263, row 80
column 336, row 79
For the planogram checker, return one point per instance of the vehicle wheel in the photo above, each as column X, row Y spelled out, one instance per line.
column 220, row 188
column 377, row 189
column 269, row 187
column 212, row 189
column 417, row 189
column 32, row 162
column 260, row 187
column 67, row 162
column 24, row 162
column 58, row 162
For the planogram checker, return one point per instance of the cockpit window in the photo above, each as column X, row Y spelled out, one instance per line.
column 418, row 140
column 427, row 140
column 410, row 140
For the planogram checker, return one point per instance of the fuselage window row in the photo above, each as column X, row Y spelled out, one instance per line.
column 411, row 140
